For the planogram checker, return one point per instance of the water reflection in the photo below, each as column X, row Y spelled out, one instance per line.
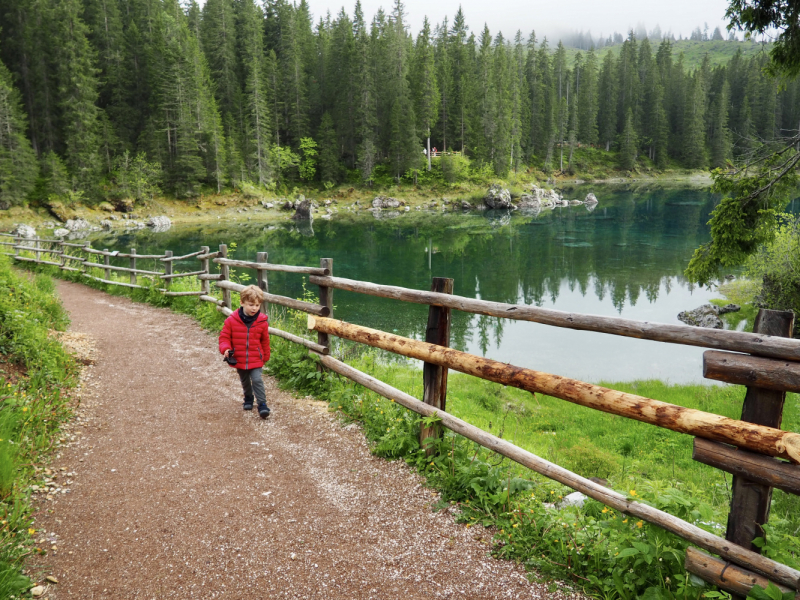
column 624, row 258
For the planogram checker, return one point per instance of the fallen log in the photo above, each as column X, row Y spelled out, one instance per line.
column 747, row 558
column 764, row 440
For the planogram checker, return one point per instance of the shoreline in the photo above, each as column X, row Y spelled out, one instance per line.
column 235, row 206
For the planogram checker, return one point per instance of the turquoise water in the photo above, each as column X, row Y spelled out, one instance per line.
column 624, row 258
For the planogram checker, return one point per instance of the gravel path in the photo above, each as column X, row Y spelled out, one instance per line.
column 175, row 492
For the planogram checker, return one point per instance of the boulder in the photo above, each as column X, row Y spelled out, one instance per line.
column 706, row 315
column 590, row 198
column 77, row 224
column 529, row 201
column 575, row 202
column 302, row 211
column 25, row 231
column 466, row 205
column 160, row 223
column 385, row 202
column 497, row 197
column 106, row 224
column 573, row 499
column 288, row 205
column 106, row 207
column 136, row 224
column 61, row 232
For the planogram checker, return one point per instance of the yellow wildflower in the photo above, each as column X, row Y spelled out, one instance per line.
column 639, row 524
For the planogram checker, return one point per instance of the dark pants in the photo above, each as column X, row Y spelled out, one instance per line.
column 252, row 384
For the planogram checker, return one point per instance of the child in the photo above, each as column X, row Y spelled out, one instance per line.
column 244, row 342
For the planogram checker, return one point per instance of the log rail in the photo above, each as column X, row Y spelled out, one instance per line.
column 754, row 449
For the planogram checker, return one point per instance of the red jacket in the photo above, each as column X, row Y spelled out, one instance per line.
column 250, row 344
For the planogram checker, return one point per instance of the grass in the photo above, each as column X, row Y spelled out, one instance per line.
column 34, row 372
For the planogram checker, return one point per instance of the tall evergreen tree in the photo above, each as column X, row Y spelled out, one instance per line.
column 628, row 143
column 18, row 166
column 586, row 84
column 425, row 87
column 607, row 106
column 720, row 134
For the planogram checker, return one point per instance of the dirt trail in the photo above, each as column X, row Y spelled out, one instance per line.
column 178, row 493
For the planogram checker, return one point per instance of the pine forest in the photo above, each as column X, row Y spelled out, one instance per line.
column 111, row 99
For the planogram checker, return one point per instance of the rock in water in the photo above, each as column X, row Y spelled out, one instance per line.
column 385, row 202
column 302, row 211
column 160, row 223
column 706, row 315
column 497, row 197
column 590, row 198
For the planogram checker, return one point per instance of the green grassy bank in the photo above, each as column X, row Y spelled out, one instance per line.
column 35, row 371
column 596, row 549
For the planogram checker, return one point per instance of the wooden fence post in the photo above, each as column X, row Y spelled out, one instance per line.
column 107, row 262
column 224, row 275
column 133, row 266
column 36, row 249
column 434, row 377
column 750, row 501
column 326, row 299
column 205, row 285
column 261, row 276
column 62, row 260
column 167, row 269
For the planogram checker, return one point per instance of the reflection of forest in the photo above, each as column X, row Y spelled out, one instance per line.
column 630, row 246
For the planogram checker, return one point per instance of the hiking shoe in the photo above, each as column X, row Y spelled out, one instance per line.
column 247, row 404
column 263, row 410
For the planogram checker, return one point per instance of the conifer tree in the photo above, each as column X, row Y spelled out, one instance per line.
column 444, row 80
column 586, row 84
column 628, row 143
column 425, row 86
column 329, row 165
column 607, row 105
column 694, row 143
column 462, row 52
column 720, row 134
column 18, row 166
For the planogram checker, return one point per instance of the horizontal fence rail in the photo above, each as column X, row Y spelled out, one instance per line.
column 767, row 362
column 737, row 341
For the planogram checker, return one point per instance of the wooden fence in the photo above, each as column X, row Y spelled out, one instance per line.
column 754, row 449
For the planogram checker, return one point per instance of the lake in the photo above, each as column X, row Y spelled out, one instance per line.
column 624, row 258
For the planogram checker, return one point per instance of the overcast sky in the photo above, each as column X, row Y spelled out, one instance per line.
column 548, row 18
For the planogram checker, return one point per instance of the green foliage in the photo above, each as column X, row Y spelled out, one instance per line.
column 32, row 407
column 777, row 265
column 308, row 164
column 746, row 217
column 771, row 592
column 135, row 178
column 18, row 168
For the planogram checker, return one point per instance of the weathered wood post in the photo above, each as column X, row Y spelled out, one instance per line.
column 326, row 299
column 61, row 258
column 205, row 285
column 36, row 249
column 261, row 275
column 133, row 266
column 224, row 272
column 167, row 269
column 106, row 262
column 434, row 377
column 750, row 501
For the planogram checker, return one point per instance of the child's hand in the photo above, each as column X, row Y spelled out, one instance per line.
column 227, row 353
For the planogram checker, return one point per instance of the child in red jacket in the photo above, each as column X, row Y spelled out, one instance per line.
column 244, row 342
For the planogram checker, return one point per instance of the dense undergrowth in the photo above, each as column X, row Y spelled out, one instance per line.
column 599, row 550
column 34, row 372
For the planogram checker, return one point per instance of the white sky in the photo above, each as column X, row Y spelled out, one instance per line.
column 549, row 18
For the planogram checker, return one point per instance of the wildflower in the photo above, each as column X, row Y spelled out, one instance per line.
column 31, row 531
column 633, row 492
column 639, row 524
column 24, row 409
column 516, row 525
column 392, row 400
column 625, row 521
column 605, row 510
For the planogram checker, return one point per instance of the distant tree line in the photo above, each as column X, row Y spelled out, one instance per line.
column 112, row 98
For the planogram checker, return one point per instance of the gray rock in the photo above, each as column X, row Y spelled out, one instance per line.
column 466, row 205
column 106, row 224
column 529, row 201
column 497, row 197
column 302, row 210
column 590, row 198
column 61, row 232
column 25, row 231
column 159, row 224
column 133, row 224
column 575, row 202
column 573, row 499
column 385, row 202
column 288, row 205
column 79, row 224
column 706, row 315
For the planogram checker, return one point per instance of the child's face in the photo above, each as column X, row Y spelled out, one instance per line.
column 250, row 307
